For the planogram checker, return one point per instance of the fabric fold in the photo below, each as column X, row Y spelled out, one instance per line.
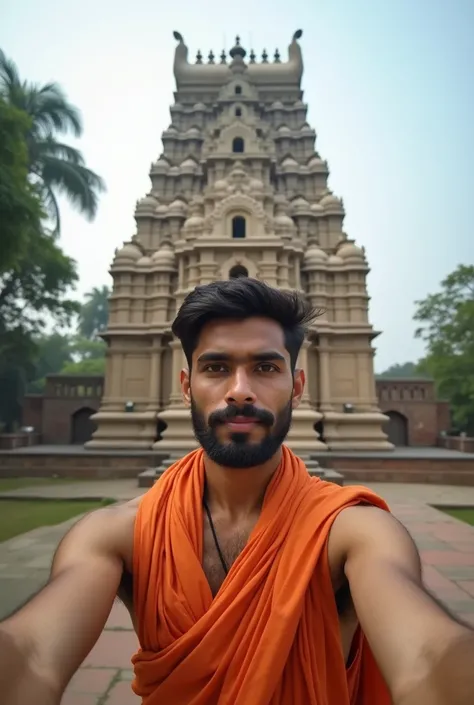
column 271, row 634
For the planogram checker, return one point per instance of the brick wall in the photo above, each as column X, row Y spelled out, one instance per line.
column 53, row 412
column 32, row 414
column 416, row 401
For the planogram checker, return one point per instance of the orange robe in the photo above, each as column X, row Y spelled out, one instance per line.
column 271, row 634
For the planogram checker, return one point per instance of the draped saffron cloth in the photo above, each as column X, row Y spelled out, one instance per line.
column 271, row 634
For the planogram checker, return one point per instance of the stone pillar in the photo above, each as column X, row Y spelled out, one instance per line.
column 178, row 436
column 177, row 365
column 324, row 379
column 269, row 267
column 302, row 435
column 155, row 364
column 284, row 279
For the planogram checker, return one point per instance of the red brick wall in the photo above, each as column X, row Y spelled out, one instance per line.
column 33, row 411
column 63, row 396
column 57, row 417
column 416, row 401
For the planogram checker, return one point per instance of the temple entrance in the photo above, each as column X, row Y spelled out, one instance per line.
column 82, row 427
column 397, row 428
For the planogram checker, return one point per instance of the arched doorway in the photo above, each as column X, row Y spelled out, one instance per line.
column 82, row 427
column 397, row 428
column 238, row 270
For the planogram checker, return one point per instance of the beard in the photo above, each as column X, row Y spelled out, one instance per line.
column 240, row 451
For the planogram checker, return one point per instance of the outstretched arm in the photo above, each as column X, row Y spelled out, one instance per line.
column 425, row 655
column 45, row 642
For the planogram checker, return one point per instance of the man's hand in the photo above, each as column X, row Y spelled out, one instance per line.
column 53, row 633
column 412, row 637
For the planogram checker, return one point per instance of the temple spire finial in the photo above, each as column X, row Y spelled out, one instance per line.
column 237, row 50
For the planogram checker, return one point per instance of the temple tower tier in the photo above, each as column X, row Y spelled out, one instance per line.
column 238, row 190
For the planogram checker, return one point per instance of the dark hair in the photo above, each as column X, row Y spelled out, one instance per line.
column 243, row 298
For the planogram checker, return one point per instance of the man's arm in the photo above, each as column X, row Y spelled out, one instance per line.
column 45, row 642
column 424, row 654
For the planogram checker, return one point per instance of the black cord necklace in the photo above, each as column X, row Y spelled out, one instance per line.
column 211, row 524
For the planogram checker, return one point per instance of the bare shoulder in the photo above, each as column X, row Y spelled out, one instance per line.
column 105, row 531
column 369, row 532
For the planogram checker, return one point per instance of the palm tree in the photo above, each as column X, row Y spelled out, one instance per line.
column 94, row 313
column 54, row 166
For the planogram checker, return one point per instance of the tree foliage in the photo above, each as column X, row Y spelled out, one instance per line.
column 447, row 327
column 20, row 208
column 36, row 276
column 88, row 357
column 56, row 167
column 38, row 287
column 94, row 313
column 404, row 370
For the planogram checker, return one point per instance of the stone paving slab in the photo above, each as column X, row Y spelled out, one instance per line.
column 446, row 546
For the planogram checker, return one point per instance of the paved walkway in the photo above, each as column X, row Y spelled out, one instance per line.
column 446, row 546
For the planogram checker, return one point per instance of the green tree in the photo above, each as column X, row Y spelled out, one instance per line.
column 38, row 288
column 20, row 208
column 89, row 358
column 94, row 313
column 52, row 352
column 404, row 370
column 32, row 293
column 447, row 326
column 88, row 366
column 17, row 351
column 55, row 166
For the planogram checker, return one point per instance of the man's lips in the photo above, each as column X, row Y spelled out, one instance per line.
column 242, row 423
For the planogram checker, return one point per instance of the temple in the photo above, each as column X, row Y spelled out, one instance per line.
column 239, row 190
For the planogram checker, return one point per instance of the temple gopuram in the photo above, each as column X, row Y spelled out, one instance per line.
column 238, row 190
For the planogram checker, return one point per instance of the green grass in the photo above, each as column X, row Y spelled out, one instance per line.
column 464, row 514
column 15, row 483
column 18, row 516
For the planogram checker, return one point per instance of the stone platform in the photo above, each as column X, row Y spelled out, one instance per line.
column 417, row 464
column 403, row 464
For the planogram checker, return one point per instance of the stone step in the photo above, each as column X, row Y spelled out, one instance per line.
column 148, row 477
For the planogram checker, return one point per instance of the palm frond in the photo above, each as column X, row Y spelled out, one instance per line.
column 50, row 111
column 9, row 75
column 52, row 208
column 50, row 148
column 81, row 185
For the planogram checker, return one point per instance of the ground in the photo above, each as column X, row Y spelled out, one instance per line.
column 445, row 543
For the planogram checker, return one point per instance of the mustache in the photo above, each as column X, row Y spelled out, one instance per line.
column 221, row 416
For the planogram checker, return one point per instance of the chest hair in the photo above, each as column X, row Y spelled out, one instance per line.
column 232, row 541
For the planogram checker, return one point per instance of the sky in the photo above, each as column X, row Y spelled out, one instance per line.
column 390, row 89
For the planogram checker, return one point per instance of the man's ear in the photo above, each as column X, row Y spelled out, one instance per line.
column 299, row 382
column 185, row 381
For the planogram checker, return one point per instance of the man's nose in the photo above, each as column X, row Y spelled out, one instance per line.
column 240, row 390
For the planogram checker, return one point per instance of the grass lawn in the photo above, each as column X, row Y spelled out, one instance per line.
column 463, row 514
column 18, row 516
column 15, row 483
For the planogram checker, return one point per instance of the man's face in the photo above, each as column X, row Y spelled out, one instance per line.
column 241, row 391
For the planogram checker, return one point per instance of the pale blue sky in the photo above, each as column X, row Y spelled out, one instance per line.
column 390, row 88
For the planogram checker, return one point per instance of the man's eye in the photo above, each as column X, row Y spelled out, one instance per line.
column 215, row 368
column 266, row 367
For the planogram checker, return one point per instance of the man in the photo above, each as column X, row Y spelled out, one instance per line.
column 248, row 582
